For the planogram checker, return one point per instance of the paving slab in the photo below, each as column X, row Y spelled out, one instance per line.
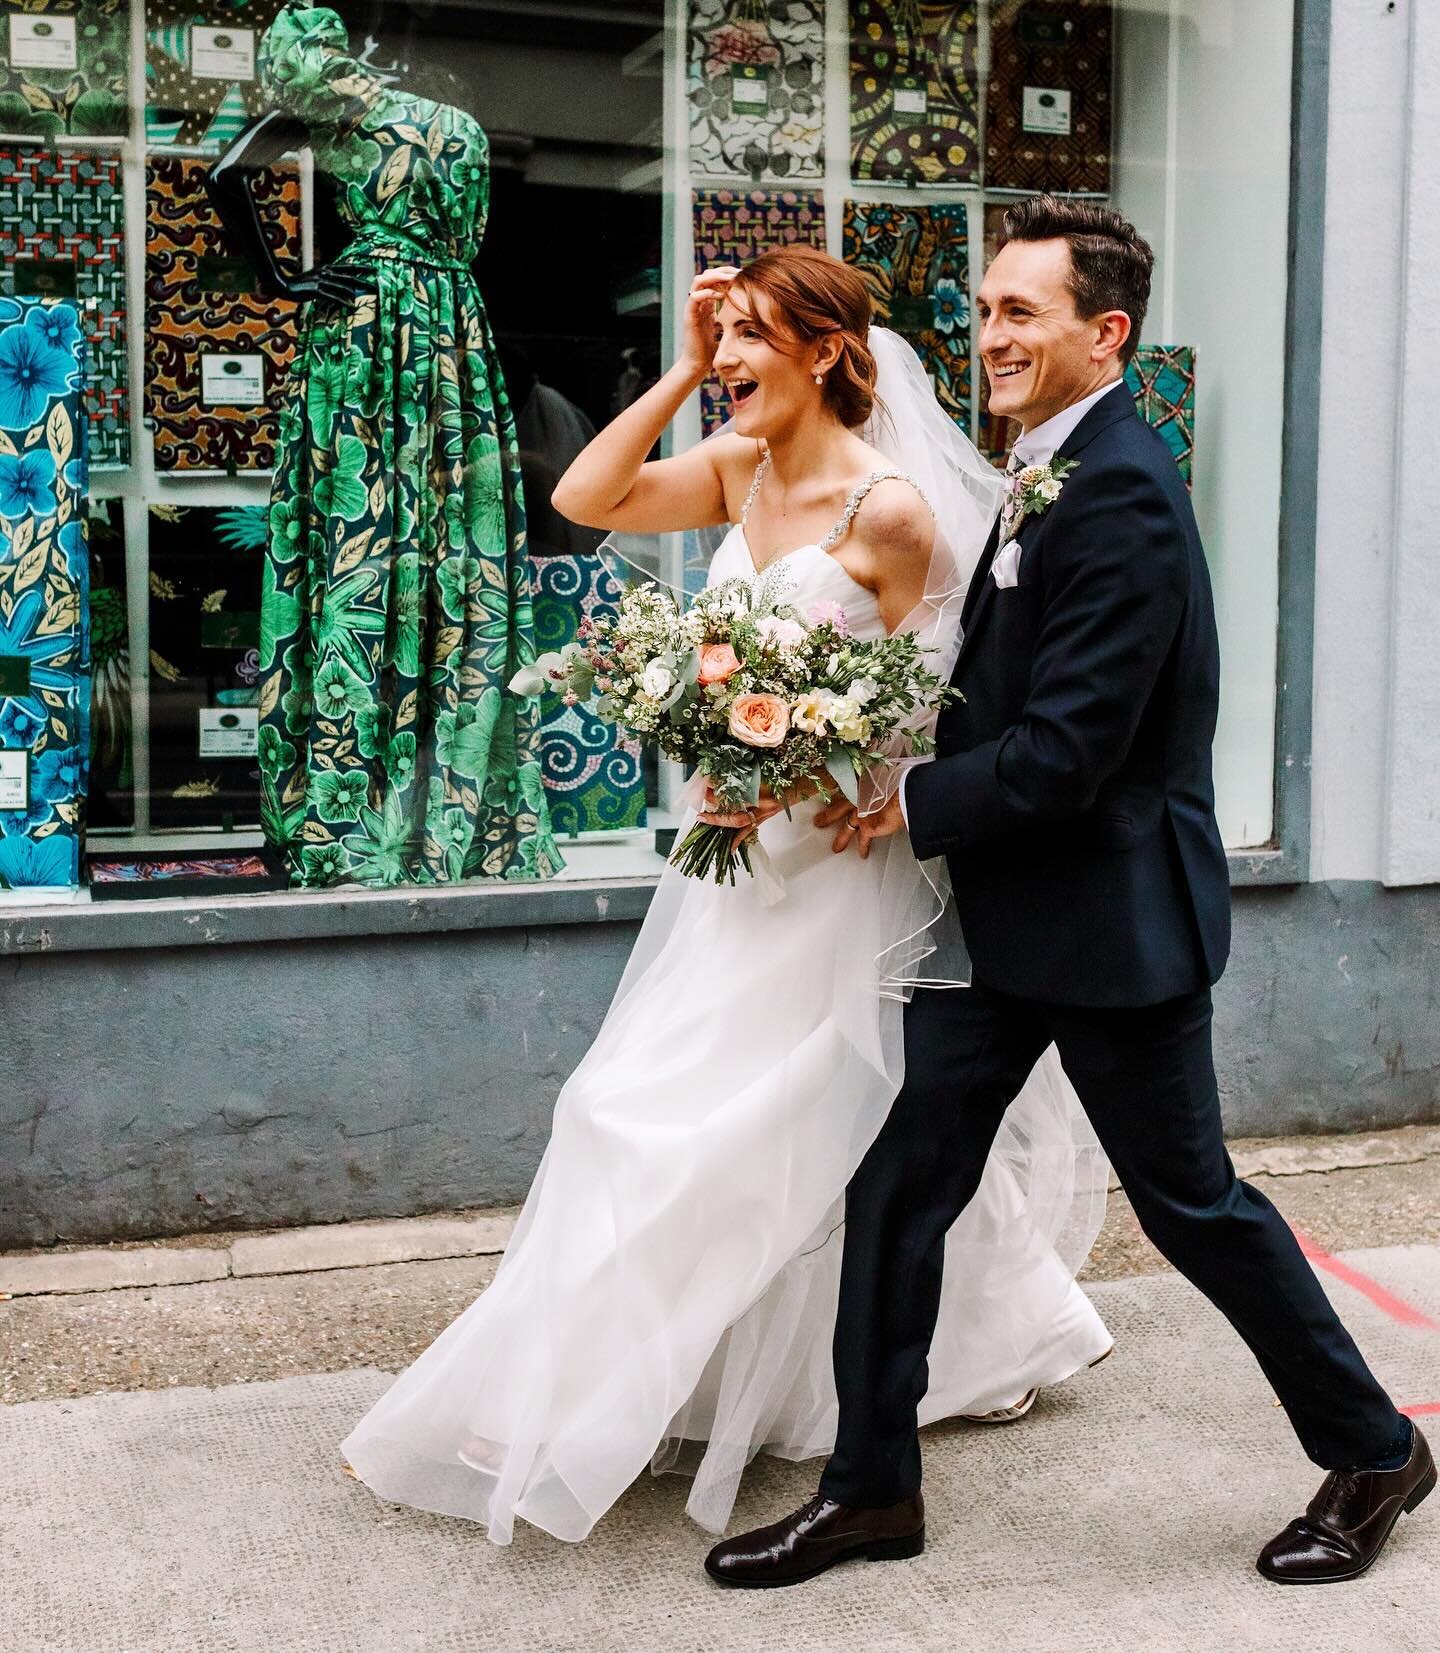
column 1303, row 1156
column 1124, row 1513
column 364, row 1244
column 107, row 1269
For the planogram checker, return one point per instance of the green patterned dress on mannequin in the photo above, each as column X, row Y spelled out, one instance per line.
column 397, row 598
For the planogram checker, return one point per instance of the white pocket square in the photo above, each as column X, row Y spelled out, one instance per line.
column 1006, row 567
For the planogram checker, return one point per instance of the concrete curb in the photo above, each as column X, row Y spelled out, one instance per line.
column 486, row 1233
column 1316, row 1156
column 293, row 1251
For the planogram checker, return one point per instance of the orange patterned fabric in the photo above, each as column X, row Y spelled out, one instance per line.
column 185, row 320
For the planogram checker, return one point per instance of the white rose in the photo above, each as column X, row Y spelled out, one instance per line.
column 658, row 679
column 846, row 716
column 1049, row 489
column 863, row 690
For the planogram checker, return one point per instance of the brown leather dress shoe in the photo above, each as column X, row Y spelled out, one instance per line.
column 815, row 1538
column 1346, row 1525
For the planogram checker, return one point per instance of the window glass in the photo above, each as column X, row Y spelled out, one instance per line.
column 319, row 533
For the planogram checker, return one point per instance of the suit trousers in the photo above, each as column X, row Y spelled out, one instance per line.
column 1146, row 1078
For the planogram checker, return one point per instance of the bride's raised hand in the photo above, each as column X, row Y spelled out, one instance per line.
column 708, row 289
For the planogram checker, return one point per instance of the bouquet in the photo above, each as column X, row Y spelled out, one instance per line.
column 749, row 693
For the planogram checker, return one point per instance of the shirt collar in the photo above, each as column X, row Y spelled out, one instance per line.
column 1039, row 446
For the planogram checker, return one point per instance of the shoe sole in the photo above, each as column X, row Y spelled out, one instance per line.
column 1412, row 1503
column 1005, row 1414
column 881, row 1549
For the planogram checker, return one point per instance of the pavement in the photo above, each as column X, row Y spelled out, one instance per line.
column 172, row 1481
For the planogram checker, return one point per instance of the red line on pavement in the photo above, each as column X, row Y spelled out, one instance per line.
column 1396, row 1307
column 1422, row 1409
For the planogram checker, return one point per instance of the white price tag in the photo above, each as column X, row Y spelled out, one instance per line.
column 229, row 732
column 750, row 93
column 232, row 381
column 911, row 102
column 1046, row 109
column 14, row 779
column 222, row 54
column 42, row 43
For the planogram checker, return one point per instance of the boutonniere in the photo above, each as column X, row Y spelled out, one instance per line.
column 1035, row 489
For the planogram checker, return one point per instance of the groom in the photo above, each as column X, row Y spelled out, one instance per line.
column 1072, row 798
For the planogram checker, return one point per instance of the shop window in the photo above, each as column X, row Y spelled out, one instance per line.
column 628, row 142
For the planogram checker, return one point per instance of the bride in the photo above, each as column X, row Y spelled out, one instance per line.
column 669, row 1293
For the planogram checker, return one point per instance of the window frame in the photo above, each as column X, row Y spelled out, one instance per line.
column 1286, row 858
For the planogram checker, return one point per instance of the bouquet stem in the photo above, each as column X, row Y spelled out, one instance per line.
column 713, row 852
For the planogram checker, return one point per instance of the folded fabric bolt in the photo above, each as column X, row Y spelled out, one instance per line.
column 1006, row 567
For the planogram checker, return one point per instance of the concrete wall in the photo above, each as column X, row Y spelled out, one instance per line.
column 167, row 1090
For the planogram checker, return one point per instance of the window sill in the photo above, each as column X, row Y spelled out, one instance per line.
column 71, row 924
column 318, row 915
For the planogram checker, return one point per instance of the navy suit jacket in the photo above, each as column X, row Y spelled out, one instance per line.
column 1072, row 793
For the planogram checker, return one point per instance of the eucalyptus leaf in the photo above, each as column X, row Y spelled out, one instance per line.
column 842, row 766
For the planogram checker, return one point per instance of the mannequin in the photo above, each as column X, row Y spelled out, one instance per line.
column 396, row 604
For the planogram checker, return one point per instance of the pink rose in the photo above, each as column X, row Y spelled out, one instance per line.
column 718, row 661
column 830, row 614
column 759, row 719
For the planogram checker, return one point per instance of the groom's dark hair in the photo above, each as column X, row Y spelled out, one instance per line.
column 1110, row 261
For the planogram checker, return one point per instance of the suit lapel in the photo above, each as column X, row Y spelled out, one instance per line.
column 1109, row 410
column 981, row 575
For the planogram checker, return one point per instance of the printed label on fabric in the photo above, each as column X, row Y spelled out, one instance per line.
column 232, row 381
column 222, row 54
column 43, row 277
column 14, row 674
column 749, row 87
column 43, row 43
column 14, row 778
column 911, row 99
column 1046, row 109
column 227, row 733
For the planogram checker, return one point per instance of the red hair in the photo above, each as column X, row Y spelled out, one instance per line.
column 811, row 295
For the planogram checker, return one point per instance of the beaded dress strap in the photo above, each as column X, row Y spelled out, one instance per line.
column 857, row 499
column 755, row 482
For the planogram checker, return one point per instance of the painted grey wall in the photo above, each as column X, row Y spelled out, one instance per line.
column 169, row 1090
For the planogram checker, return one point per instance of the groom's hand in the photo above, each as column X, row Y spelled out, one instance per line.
column 862, row 830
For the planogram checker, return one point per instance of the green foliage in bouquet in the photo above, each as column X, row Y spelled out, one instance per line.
column 752, row 695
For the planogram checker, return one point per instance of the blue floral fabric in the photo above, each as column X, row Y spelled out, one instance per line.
column 916, row 263
column 44, row 587
column 592, row 772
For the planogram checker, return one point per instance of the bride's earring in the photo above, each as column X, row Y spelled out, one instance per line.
column 819, row 378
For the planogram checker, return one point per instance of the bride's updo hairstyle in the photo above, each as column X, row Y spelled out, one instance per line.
column 812, row 294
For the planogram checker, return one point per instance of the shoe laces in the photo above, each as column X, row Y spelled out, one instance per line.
column 1340, row 1487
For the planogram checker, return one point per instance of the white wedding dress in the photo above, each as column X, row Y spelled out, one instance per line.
column 669, row 1295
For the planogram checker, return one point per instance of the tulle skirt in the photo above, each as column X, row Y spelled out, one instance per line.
column 669, row 1294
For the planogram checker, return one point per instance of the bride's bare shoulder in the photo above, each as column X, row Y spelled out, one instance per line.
column 895, row 517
